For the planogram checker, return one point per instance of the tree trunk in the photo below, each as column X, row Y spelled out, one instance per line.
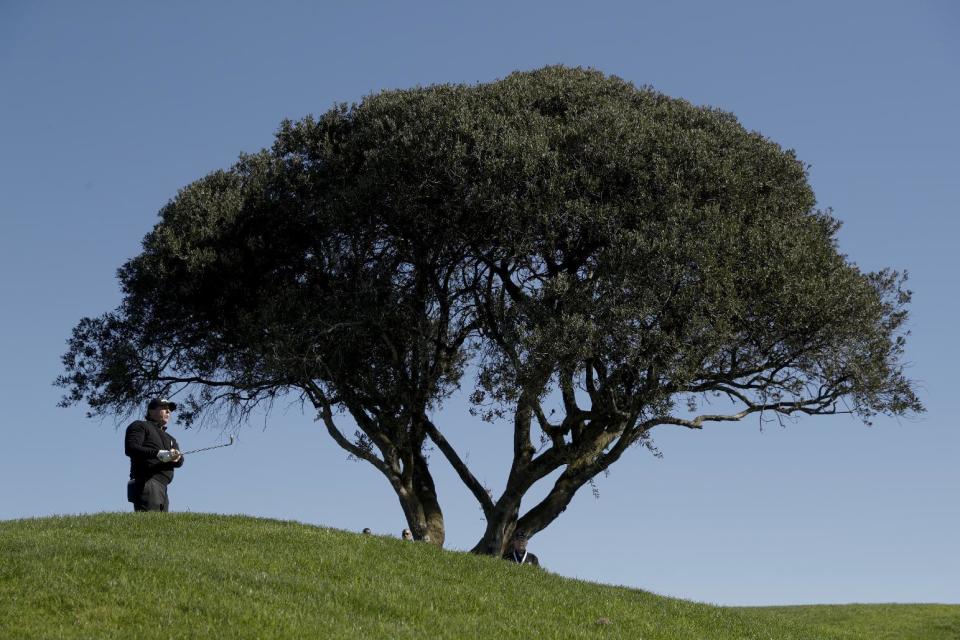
column 421, row 506
column 505, row 520
column 498, row 533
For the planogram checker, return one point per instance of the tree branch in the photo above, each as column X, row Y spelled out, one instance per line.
column 809, row 406
column 320, row 402
column 477, row 489
column 554, row 432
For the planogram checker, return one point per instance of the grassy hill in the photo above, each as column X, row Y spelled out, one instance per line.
column 180, row 575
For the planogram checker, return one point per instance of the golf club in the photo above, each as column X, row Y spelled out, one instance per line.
column 183, row 453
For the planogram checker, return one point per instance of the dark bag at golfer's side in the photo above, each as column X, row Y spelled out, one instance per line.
column 134, row 489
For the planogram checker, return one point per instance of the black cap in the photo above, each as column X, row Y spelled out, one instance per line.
column 520, row 534
column 156, row 403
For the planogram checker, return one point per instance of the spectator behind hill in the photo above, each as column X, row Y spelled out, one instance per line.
column 406, row 535
column 517, row 550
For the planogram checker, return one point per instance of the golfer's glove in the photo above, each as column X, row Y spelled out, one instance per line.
column 164, row 456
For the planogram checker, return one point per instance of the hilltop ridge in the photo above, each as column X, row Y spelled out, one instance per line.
column 187, row 575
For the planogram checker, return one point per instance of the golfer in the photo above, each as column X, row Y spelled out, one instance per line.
column 154, row 454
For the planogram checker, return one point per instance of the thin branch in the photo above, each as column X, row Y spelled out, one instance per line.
column 823, row 405
column 477, row 489
column 319, row 400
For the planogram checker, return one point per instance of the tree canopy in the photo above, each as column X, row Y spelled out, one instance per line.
column 607, row 257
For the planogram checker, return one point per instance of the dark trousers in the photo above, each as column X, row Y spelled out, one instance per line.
column 151, row 496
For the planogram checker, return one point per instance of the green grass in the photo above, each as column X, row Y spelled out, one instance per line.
column 147, row 576
column 876, row 621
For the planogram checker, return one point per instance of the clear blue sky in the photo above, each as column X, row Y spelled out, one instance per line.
column 107, row 108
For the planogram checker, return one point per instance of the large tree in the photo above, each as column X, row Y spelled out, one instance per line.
column 608, row 258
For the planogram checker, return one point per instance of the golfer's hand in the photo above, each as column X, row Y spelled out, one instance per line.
column 165, row 456
column 176, row 455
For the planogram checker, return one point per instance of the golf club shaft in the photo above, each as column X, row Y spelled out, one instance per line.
column 219, row 446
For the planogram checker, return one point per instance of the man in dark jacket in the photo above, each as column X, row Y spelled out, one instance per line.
column 517, row 550
column 154, row 454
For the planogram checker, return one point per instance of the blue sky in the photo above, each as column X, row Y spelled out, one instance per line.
column 107, row 108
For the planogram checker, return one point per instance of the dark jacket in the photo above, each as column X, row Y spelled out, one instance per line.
column 520, row 559
column 143, row 440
